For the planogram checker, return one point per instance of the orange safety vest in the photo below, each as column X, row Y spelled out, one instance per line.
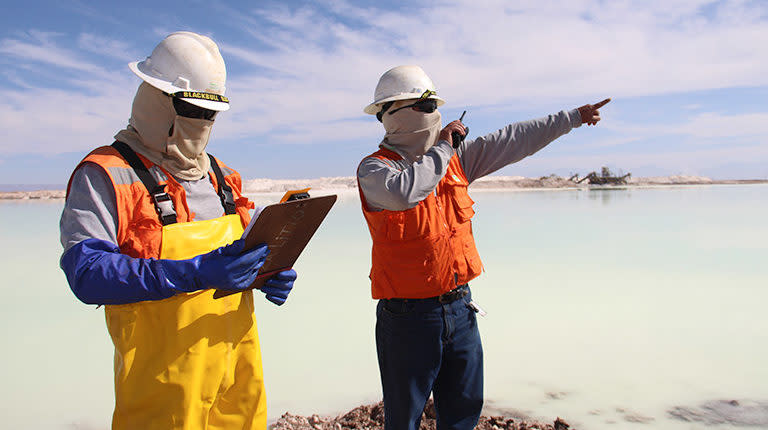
column 139, row 231
column 426, row 250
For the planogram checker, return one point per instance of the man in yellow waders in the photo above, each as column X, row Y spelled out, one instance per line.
column 150, row 227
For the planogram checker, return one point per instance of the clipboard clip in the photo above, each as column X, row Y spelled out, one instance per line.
column 292, row 195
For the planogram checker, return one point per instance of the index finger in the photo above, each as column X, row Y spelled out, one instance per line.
column 601, row 104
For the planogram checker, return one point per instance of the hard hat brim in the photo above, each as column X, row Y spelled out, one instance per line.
column 375, row 107
column 168, row 88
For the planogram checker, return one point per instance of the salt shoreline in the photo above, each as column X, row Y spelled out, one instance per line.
column 489, row 183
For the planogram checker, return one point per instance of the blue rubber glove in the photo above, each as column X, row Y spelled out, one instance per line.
column 278, row 286
column 99, row 274
column 227, row 268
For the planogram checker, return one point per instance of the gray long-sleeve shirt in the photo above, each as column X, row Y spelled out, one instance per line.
column 400, row 185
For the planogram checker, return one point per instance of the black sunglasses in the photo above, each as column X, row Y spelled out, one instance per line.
column 426, row 106
column 423, row 104
column 188, row 110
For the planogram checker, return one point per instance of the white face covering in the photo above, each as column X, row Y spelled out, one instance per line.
column 411, row 132
column 153, row 118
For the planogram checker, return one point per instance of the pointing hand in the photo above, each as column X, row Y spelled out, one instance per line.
column 590, row 114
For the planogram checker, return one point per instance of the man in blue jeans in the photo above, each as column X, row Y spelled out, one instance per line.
column 414, row 198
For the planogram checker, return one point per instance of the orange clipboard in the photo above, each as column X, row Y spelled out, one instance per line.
column 286, row 228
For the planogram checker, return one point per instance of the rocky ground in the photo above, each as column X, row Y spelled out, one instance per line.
column 371, row 417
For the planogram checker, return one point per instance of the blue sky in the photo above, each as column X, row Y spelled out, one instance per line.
column 688, row 78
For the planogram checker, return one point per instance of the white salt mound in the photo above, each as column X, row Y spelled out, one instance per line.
column 343, row 183
column 674, row 179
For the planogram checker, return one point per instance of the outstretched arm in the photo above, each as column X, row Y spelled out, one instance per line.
column 491, row 152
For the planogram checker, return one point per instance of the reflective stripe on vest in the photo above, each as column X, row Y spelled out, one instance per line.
column 429, row 249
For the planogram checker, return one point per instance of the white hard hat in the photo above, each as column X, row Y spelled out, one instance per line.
column 188, row 66
column 402, row 83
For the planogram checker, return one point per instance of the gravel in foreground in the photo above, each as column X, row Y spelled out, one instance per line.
column 371, row 417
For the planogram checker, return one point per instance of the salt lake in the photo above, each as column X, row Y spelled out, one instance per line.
column 605, row 307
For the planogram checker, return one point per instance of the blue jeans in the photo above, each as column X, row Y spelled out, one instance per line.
column 426, row 346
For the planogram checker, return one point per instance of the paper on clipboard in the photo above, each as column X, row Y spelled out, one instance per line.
column 286, row 228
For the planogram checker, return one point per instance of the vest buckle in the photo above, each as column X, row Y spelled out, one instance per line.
column 164, row 207
column 228, row 201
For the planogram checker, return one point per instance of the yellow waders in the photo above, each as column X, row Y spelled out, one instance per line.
column 190, row 361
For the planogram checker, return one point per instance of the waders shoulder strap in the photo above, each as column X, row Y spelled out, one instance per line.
column 161, row 199
column 224, row 190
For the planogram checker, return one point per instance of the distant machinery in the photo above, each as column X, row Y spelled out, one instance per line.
column 606, row 177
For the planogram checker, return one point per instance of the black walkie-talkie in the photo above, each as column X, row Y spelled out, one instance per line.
column 456, row 137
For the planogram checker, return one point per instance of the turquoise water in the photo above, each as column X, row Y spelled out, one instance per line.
column 598, row 302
